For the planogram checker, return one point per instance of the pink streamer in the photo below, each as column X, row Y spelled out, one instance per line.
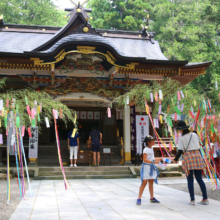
column 178, row 94
column 28, row 110
column 23, row 131
column 109, row 113
column 175, row 115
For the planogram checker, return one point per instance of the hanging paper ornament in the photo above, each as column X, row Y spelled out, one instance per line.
column 177, row 110
column 151, row 96
column 26, row 100
column 191, row 114
column 160, row 108
column 209, row 104
column 216, row 85
column 182, row 94
column 47, row 122
column 160, row 95
column 127, row 100
column 212, row 127
column 166, row 132
column 32, row 113
column 182, row 107
column 28, row 110
column 147, row 109
column 192, row 110
column 1, row 139
column 178, row 94
column 170, row 147
column 33, row 122
column 17, row 122
column 109, row 112
column 168, row 109
column 29, row 132
column 156, row 97
column 6, row 122
column 161, row 119
column 23, row 131
column 175, row 116
column 195, row 102
column 61, row 113
column 148, row 95
column 7, row 103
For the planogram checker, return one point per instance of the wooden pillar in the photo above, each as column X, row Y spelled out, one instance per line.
column 127, row 135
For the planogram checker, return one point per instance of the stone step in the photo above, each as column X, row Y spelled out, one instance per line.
column 170, row 174
column 84, row 177
column 75, row 171
column 101, row 168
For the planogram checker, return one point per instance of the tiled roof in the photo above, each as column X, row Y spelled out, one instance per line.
column 16, row 42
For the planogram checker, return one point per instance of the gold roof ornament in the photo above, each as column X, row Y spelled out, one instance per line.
column 1, row 17
column 78, row 3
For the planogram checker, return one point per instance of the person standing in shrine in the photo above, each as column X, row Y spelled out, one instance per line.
column 193, row 164
column 73, row 145
column 95, row 136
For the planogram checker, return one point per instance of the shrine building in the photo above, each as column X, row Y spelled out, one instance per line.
column 86, row 68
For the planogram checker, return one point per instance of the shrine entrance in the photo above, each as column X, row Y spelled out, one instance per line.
column 87, row 118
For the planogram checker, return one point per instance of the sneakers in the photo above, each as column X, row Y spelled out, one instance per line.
column 75, row 165
column 192, row 203
column 154, row 200
column 138, row 202
column 71, row 165
column 204, row 202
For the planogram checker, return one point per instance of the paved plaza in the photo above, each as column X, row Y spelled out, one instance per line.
column 109, row 199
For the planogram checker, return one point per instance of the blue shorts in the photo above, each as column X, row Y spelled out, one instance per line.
column 96, row 147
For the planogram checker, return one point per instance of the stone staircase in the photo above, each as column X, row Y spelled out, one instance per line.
column 113, row 172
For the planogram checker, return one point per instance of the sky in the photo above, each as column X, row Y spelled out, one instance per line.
column 64, row 3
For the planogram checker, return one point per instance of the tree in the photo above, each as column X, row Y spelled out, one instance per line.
column 119, row 14
column 30, row 12
column 189, row 30
column 27, row 97
column 186, row 30
column 192, row 101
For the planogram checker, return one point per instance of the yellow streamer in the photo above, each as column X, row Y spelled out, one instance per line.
column 74, row 132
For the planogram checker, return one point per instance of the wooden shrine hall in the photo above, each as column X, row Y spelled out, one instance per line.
column 85, row 68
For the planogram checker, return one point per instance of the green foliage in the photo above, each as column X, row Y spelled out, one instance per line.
column 48, row 103
column 119, row 14
column 169, row 89
column 186, row 30
column 30, row 12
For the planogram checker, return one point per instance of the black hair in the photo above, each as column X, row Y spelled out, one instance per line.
column 186, row 131
column 94, row 127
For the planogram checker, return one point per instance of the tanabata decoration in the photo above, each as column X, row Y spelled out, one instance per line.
column 109, row 112
column 15, row 118
column 58, row 150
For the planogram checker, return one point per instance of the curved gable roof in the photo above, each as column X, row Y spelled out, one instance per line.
column 124, row 47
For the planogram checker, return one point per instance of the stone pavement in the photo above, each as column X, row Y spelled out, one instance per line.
column 108, row 199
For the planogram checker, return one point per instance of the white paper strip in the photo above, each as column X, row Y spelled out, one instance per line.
column 182, row 94
column 160, row 95
column 47, row 122
column 127, row 100
column 1, row 104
